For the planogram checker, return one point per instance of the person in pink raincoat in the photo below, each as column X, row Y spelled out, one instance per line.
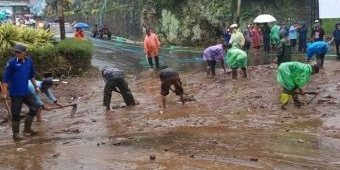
column 151, row 47
column 255, row 39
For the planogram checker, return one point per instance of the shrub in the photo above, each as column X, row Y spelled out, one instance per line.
column 78, row 53
column 48, row 60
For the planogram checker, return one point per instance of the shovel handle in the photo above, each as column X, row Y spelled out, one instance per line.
column 58, row 107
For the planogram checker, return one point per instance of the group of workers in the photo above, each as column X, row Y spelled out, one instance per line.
column 19, row 81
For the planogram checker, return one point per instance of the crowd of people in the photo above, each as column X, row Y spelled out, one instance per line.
column 20, row 86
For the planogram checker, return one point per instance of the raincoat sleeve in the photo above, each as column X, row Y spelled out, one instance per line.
column 146, row 45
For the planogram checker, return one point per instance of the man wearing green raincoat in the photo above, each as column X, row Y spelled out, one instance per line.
column 275, row 36
column 237, row 58
column 293, row 76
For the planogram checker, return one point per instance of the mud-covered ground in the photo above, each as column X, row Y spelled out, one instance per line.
column 232, row 125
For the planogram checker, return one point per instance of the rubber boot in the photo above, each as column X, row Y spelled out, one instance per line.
column 297, row 103
column 150, row 62
column 15, row 129
column 157, row 62
column 234, row 73
column 208, row 71
column 28, row 123
column 244, row 70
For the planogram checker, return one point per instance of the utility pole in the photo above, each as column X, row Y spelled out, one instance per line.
column 60, row 8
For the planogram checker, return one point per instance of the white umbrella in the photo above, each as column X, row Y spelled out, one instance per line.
column 264, row 18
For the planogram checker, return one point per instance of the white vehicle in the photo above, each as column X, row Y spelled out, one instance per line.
column 69, row 31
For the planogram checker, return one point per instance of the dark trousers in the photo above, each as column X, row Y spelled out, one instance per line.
column 320, row 59
column 293, row 43
column 212, row 65
column 337, row 44
column 156, row 61
column 302, row 45
column 121, row 84
column 246, row 46
column 266, row 44
column 16, row 105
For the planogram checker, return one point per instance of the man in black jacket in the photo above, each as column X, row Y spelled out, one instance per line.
column 114, row 79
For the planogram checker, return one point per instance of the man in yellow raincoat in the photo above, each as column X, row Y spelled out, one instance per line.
column 237, row 58
column 293, row 76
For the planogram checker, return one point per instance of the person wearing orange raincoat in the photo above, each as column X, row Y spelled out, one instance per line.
column 151, row 47
column 79, row 34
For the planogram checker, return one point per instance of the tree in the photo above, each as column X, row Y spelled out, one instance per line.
column 60, row 9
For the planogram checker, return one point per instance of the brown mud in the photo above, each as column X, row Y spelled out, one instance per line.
column 232, row 125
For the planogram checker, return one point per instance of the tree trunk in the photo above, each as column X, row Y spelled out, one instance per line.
column 238, row 12
column 60, row 9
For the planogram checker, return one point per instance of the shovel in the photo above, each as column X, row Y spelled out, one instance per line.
column 8, row 111
column 73, row 111
column 8, row 108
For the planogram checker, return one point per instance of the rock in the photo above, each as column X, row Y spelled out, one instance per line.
column 152, row 157
column 103, row 143
column 321, row 101
column 56, row 155
column 254, row 159
column 300, row 141
column 258, row 96
column 166, row 149
column 98, row 144
column 21, row 149
column 327, row 96
column 116, row 143
column 192, row 156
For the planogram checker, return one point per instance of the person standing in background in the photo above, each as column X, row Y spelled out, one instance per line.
column 293, row 36
column 302, row 30
column 255, row 37
column 247, row 39
column 266, row 37
column 151, row 47
column 336, row 38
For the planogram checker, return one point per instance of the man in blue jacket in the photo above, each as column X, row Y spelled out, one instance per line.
column 320, row 48
column 44, row 87
column 18, row 71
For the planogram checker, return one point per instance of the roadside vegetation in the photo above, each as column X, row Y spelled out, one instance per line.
column 68, row 57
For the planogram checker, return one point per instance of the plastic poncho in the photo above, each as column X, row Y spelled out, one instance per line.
column 292, row 75
column 236, row 57
column 215, row 52
column 237, row 37
column 275, row 35
column 319, row 47
column 151, row 45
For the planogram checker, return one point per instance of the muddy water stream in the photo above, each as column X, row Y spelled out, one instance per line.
column 232, row 125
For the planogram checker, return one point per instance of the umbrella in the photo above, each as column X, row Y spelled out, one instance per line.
column 81, row 25
column 264, row 18
column 6, row 12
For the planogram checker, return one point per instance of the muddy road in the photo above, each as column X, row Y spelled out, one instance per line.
column 232, row 125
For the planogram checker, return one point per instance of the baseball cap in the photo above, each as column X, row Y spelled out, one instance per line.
column 20, row 48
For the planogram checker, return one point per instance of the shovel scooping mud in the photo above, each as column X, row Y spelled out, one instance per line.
column 73, row 111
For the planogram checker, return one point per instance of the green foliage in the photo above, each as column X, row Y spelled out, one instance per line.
column 329, row 25
column 49, row 60
column 10, row 35
column 77, row 52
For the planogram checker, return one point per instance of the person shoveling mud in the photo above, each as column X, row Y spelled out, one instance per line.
column 293, row 76
column 168, row 77
column 114, row 79
column 44, row 87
